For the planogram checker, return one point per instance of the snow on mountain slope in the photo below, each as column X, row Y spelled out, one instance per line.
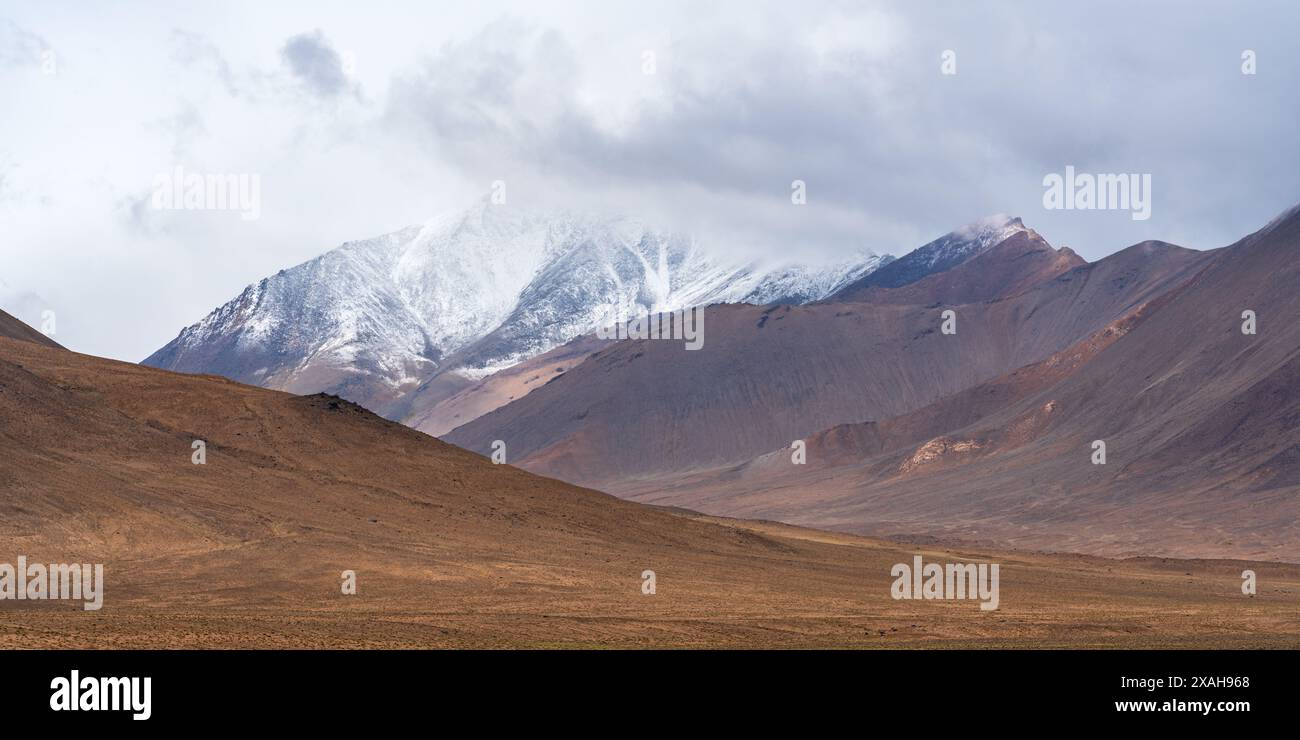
column 495, row 284
column 940, row 255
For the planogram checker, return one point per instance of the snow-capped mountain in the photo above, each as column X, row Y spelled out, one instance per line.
column 495, row 284
column 940, row 255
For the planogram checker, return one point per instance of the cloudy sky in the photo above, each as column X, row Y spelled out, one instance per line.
column 360, row 119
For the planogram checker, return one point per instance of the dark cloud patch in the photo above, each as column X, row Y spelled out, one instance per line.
column 316, row 64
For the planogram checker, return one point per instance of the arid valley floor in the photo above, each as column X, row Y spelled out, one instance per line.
column 757, row 586
column 246, row 551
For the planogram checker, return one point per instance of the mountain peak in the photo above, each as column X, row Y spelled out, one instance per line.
column 998, row 223
column 940, row 255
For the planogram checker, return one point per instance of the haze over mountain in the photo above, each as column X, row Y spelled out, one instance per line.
column 473, row 293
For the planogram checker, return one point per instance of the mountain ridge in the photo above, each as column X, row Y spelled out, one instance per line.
column 769, row 375
column 1198, row 417
column 374, row 319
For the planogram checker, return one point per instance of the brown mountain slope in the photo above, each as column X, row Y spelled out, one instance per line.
column 1200, row 421
column 248, row 549
column 766, row 376
column 449, row 399
column 14, row 329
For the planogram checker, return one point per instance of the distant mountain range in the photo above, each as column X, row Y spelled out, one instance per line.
column 467, row 295
column 988, row 434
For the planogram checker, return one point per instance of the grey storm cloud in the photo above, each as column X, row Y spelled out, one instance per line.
column 887, row 136
column 315, row 63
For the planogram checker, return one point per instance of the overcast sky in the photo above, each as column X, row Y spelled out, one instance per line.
column 361, row 118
